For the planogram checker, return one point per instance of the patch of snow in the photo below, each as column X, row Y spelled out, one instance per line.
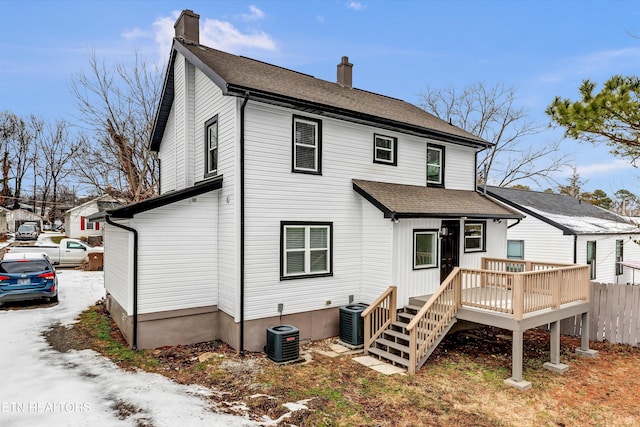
column 589, row 225
column 42, row 387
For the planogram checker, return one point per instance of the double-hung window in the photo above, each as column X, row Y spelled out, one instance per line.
column 474, row 236
column 306, row 249
column 211, row 147
column 385, row 149
column 425, row 249
column 307, row 145
column 435, row 166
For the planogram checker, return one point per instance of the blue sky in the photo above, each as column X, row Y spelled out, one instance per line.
column 398, row 48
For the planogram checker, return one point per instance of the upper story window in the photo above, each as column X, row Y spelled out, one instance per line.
column 474, row 236
column 435, row 166
column 211, row 147
column 306, row 249
column 385, row 149
column 307, row 145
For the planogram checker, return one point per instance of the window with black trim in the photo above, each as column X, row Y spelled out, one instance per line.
column 435, row 166
column 307, row 145
column 591, row 258
column 474, row 236
column 306, row 249
column 515, row 249
column 425, row 249
column 619, row 257
column 211, row 147
column 385, row 149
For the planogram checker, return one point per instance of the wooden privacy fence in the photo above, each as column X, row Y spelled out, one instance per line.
column 614, row 316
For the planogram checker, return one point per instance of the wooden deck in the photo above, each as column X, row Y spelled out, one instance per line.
column 513, row 295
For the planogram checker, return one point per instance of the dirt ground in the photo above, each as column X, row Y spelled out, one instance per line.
column 461, row 384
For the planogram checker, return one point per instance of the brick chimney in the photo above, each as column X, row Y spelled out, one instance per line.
column 188, row 27
column 345, row 71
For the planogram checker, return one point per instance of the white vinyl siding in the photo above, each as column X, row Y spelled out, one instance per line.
column 377, row 244
column 274, row 195
column 164, row 281
column 118, row 265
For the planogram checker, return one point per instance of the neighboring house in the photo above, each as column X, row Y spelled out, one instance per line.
column 76, row 220
column 4, row 228
column 284, row 197
column 17, row 217
column 562, row 228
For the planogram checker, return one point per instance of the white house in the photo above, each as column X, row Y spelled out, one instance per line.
column 283, row 198
column 17, row 217
column 76, row 220
column 562, row 228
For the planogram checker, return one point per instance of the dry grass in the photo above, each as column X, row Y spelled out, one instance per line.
column 461, row 384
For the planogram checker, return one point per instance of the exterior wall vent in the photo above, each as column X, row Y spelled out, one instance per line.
column 352, row 324
column 283, row 343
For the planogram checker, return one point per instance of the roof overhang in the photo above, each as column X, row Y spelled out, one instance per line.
column 398, row 201
column 133, row 209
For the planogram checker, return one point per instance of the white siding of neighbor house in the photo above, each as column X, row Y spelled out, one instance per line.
column 118, row 265
column 606, row 256
column 168, row 246
column 73, row 228
column 275, row 194
column 542, row 241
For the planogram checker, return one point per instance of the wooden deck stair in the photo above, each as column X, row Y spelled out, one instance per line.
column 393, row 344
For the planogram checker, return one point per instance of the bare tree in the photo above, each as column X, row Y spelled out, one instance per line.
column 8, row 122
column 492, row 114
column 118, row 107
column 56, row 151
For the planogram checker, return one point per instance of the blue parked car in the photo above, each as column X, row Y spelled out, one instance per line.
column 27, row 276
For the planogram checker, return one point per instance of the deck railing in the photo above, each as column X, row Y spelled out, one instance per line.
column 512, row 287
column 379, row 315
column 433, row 318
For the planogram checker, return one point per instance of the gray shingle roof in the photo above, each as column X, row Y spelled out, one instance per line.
column 414, row 201
column 237, row 74
column 564, row 211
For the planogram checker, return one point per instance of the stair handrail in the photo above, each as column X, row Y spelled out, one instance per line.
column 417, row 349
column 379, row 315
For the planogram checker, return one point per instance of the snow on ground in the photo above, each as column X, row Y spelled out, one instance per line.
column 42, row 387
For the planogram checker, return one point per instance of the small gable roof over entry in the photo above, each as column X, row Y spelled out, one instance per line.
column 415, row 201
column 564, row 212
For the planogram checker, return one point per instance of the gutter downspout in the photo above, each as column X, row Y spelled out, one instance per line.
column 134, row 338
column 242, row 108
column 575, row 248
column 515, row 223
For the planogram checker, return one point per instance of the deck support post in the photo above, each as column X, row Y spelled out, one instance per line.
column 516, row 363
column 554, row 364
column 584, row 349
